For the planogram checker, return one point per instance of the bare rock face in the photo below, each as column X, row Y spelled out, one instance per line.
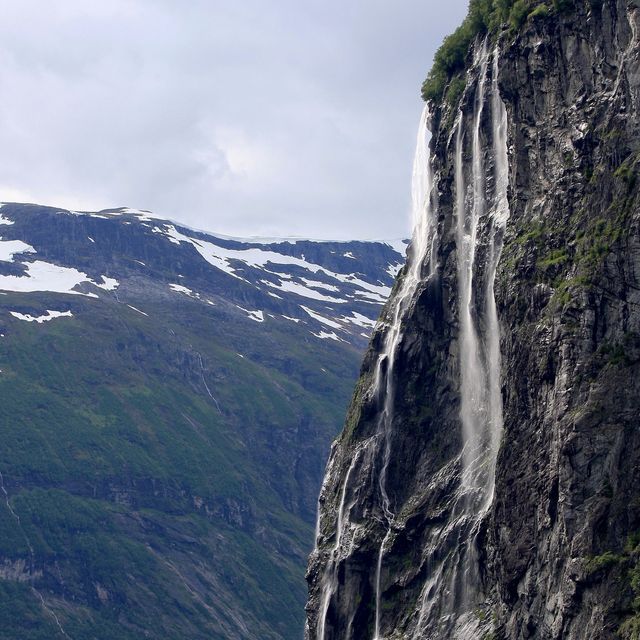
column 428, row 528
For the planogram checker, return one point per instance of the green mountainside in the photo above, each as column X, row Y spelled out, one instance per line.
column 161, row 453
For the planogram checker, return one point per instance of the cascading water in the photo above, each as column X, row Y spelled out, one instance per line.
column 330, row 578
column 423, row 249
column 500, row 215
column 450, row 595
column 450, row 565
column 421, row 257
column 469, row 210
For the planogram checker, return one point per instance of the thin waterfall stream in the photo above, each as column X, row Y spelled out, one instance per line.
column 421, row 254
column 482, row 210
column 422, row 250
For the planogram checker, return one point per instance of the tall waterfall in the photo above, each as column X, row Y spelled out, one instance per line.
column 449, row 576
column 449, row 600
column 421, row 265
column 422, row 249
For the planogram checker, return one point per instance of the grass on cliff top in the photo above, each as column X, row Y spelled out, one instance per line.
column 485, row 16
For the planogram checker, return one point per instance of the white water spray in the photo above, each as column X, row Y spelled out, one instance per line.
column 423, row 250
column 330, row 577
column 500, row 215
column 421, row 259
column 452, row 589
column 468, row 214
column 450, row 594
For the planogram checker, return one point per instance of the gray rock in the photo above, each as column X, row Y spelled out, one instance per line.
column 567, row 292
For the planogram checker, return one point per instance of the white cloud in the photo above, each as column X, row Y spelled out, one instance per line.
column 245, row 118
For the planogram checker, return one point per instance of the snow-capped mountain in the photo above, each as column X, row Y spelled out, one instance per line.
column 168, row 401
column 334, row 289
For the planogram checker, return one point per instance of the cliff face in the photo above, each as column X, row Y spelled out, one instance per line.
column 486, row 481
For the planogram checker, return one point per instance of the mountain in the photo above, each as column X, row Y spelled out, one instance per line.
column 486, row 484
column 167, row 401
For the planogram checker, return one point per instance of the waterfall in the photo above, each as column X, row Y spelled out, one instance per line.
column 422, row 250
column 469, row 209
column 450, row 596
column 421, row 265
column 330, row 577
column 500, row 215
column 451, row 589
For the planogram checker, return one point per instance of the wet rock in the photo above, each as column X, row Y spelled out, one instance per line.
column 567, row 293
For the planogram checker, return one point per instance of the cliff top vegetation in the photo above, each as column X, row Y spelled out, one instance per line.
column 484, row 16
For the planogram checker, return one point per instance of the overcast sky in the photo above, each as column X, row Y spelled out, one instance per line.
column 246, row 117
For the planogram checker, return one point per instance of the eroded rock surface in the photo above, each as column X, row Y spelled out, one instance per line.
column 553, row 552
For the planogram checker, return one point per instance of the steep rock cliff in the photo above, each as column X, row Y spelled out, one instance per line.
column 486, row 481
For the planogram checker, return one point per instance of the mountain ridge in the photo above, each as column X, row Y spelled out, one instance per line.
column 167, row 403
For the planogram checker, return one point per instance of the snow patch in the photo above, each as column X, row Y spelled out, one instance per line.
column 182, row 289
column 397, row 245
column 108, row 284
column 331, row 336
column 167, row 235
column 359, row 319
column 214, row 255
column 44, row 276
column 375, row 297
column 319, row 318
column 258, row 316
column 223, row 258
column 320, row 285
column 9, row 248
column 50, row 315
column 301, row 290
column 141, row 214
column 393, row 269
column 138, row 310
column 5, row 220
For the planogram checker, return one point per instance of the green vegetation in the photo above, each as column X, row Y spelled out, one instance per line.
column 534, row 232
column 562, row 6
column 594, row 244
column 565, row 290
column 455, row 89
column 602, row 562
column 623, row 353
column 553, row 258
column 627, row 567
column 627, row 170
column 541, row 11
column 134, row 491
column 484, row 16
column 571, row 252
column 518, row 14
column 355, row 408
column 21, row 614
column 630, row 628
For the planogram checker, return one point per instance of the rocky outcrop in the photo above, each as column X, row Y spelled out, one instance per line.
column 416, row 537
